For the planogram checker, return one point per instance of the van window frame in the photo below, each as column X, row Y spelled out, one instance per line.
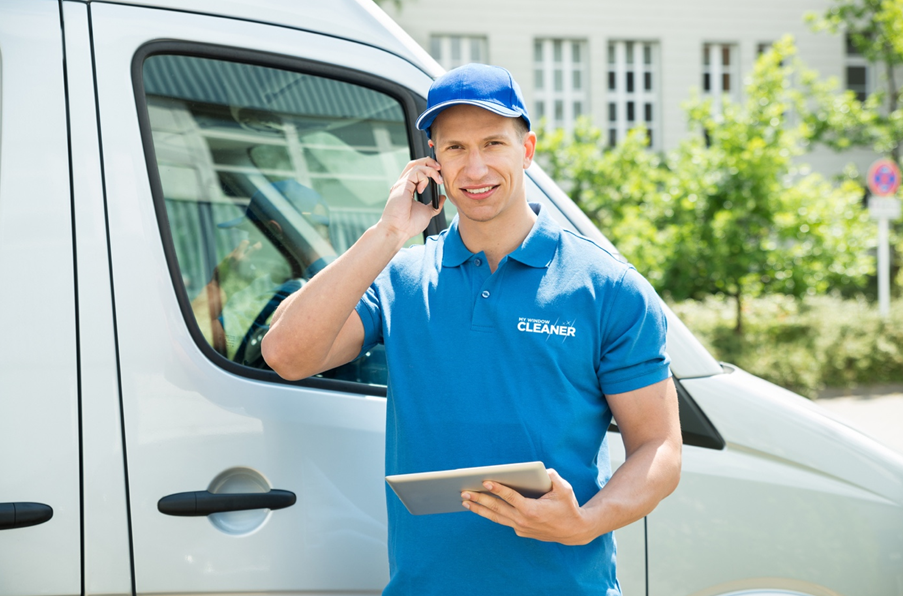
column 411, row 104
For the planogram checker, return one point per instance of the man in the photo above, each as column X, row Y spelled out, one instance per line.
column 507, row 339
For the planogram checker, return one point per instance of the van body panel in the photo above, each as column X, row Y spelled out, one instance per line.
column 39, row 439
column 354, row 20
column 806, row 488
column 107, row 561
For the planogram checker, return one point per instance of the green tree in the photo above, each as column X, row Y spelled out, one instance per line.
column 875, row 29
column 729, row 211
column 616, row 188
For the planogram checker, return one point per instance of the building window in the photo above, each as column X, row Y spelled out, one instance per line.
column 859, row 71
column 560, row 81
column 633, row 89
column 720, row 73
column 454, row 50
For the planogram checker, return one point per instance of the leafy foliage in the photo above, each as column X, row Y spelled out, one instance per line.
column 805, row 345
column 875, row 29
column 728, row 211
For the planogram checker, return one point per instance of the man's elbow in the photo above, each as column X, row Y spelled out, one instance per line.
column 673, row 476
column 278, row 356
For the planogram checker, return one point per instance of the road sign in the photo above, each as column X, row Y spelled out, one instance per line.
column 884, row 178
column 884, row 208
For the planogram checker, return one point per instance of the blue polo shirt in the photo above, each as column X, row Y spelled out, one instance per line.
column 500, row 368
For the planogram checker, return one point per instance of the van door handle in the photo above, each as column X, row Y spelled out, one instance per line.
column 202, row 502
column 22, row 515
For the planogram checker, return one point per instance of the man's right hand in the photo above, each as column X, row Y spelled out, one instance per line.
column 404, row 215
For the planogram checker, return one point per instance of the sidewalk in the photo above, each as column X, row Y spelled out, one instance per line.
column 877, row 411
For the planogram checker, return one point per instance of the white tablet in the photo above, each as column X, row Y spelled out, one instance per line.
column 440, row 492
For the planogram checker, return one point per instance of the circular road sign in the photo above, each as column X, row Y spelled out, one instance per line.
column 884, row 178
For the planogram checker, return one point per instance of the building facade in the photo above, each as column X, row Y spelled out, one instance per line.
column 631, row 63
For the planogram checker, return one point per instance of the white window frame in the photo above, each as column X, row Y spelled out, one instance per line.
column 716, row 69
column 572, row 99
column 469, row 48
column 646, row 59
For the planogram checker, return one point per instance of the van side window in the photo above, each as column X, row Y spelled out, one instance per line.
column 267, row 175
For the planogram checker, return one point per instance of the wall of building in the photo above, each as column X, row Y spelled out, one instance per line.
column 679, row 28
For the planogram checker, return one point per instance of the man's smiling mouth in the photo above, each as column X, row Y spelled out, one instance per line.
column 479, row 191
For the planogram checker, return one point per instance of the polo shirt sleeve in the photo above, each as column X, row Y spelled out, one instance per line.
column 633, row 349
column 370, row 312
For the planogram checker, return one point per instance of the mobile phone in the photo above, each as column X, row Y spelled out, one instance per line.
column 430, row 194
column 434, row 192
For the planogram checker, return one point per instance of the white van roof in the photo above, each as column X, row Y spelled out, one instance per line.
column 357, row 20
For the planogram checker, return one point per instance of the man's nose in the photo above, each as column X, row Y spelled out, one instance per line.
column 475, row 168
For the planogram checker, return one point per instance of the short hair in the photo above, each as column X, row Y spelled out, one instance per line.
column 521, row 128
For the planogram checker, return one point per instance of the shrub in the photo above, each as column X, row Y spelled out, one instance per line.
column 804, row 344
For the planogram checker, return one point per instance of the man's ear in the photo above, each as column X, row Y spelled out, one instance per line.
column 529, row 148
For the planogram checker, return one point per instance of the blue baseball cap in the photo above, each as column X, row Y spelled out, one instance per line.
column 488, row 87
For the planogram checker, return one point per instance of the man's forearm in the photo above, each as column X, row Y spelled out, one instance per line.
column 649, row 474
column 318, row 311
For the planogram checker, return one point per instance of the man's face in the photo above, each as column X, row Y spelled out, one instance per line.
column 483, row 159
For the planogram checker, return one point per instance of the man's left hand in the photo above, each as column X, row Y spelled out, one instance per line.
column 554, row 517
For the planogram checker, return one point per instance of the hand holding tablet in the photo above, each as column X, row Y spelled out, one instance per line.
column 440, row 492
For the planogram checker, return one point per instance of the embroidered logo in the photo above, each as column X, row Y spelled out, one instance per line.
column 527, row 325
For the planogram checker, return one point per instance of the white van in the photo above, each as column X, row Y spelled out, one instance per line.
column 144, row 446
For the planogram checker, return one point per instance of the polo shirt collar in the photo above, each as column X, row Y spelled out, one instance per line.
column 454, row 253
column 537, row 249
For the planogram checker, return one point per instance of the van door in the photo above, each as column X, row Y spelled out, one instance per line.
column 239, row 158
column 40, row 519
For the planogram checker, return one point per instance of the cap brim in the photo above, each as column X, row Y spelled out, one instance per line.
column 426, row 118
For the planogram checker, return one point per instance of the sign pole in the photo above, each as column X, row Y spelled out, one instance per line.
column 884, row 181
column 883, row 268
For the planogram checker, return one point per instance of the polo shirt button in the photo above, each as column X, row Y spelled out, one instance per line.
column 485, row 294
column 477, row 262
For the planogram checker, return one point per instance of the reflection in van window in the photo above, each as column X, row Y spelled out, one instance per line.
column 267, row 176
